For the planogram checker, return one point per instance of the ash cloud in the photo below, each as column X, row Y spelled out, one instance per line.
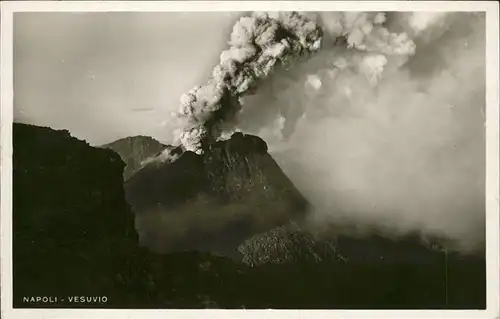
column 258, row 44
column 384, row 126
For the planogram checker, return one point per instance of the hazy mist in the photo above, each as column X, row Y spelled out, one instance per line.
column 381, row 135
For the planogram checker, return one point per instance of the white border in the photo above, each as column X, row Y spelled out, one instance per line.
column 492, row 141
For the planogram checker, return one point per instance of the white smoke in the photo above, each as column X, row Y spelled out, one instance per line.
column 165, row 156
column 382, row 126
column 258, row 43
column 385, row 128
column 421, row 21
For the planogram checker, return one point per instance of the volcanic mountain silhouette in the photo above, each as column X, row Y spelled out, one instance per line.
column 73, row 234
column 213, row 201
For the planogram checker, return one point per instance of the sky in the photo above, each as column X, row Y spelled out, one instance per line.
column 108, row 76
column 391, row 135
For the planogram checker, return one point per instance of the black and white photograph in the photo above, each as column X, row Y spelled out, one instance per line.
column 249, row 159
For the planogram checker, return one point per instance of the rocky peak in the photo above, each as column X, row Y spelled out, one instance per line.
column 215, row 200
column 134, row 151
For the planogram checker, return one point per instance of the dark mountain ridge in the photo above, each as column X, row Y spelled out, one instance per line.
column 213, row 201
column 73, row 234
column 72, row 230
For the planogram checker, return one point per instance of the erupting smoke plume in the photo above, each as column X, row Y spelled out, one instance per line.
column 385, row 128
column 382, row 126
column 257, row 44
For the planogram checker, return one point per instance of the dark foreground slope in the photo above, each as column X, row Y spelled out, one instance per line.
column 376, row 271
column 134, row 151
column 214, row 201
column 73, row 232
column 73, row 235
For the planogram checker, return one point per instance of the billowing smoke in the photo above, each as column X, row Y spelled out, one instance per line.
column 258, row 43
column 384, row 126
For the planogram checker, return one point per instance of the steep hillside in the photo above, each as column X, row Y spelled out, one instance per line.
column 213, row 201
column 72, row 229
column 73, row 235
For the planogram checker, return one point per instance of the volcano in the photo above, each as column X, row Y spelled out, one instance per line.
column 214, row 201
column 73, row 233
